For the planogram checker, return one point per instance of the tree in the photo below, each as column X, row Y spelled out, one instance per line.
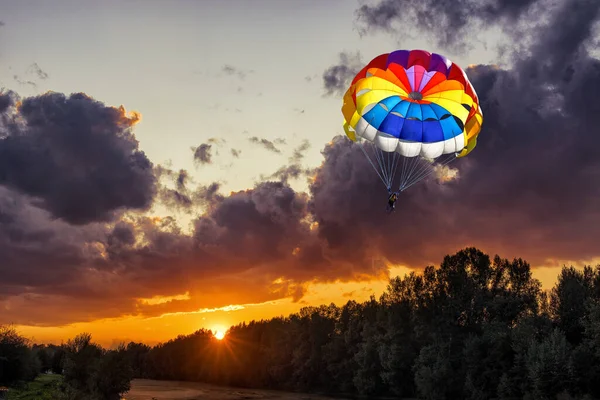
column 569, row 301
column 112, row 374
column 17, row 360
column 549, row 366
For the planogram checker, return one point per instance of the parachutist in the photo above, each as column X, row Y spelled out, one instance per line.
column 392, row 201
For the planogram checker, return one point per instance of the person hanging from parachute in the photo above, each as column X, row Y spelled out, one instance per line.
column 392, row 201
column 417, row 110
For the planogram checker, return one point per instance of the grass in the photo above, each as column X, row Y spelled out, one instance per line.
column 44, row 387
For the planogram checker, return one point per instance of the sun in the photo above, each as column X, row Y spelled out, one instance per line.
column 219, row 335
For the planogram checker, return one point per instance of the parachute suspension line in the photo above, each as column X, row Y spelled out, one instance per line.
column 385, row 165
column 376, row 154
column 417, row 179
column 360, row 144
column 395, row 163
column 402, row 172
column 412, row 164
column 425, row 169
column 427, row 173
column 412, row 171
column 387, row 161
column 381, row 160
column 419, row 166
column 392, row 165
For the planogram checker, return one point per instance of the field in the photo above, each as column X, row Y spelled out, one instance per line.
column 45, row 387
column 142, row 389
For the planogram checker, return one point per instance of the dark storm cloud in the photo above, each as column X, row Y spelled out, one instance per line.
column 337, row 77
column 530, row 188
column 37, row 251
column 178, row 194
column 121, row 235
column 77, row 158
column 203, row 154
column 178, row 197
column 448, row 22
column 208, row 195
column 239, row 248
column 262, row 224
column 267, row 144
column 7, row 100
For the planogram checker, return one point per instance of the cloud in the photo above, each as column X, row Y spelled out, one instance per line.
column 293, row 169
column 337, row 77
column 8, row 99
column 203, row 153
column 252, row 246
column 267, row 144
column 33, row 70
column 287, row 172
column 37, row 71
column 448, row 25
column 178, row 197
column 445, row 173
column 299, row 152
column 24, row 82
column 231, row 70
column 76, row 157
column 217, row 141
column 177, row 193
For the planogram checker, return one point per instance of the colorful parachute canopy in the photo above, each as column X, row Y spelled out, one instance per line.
column 413, row 104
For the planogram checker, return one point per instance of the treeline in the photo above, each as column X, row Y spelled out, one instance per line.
column 474, row 328
column 89, row 371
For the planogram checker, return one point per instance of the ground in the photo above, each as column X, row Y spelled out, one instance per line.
column 45, row 387
column 142, row 389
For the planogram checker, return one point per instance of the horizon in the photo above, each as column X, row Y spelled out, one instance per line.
column 360, row 295
column 224, row 190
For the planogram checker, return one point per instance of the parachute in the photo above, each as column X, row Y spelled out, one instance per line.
column 411, row 112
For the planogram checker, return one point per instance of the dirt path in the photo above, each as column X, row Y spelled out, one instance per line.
column 143, row 389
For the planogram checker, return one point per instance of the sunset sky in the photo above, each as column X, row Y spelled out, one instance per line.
column 222, row 191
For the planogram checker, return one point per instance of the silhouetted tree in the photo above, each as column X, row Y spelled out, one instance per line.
column 569, row 301
column 18, row 361
column 94, row 373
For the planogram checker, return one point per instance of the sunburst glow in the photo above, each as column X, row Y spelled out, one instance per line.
column 219, row 335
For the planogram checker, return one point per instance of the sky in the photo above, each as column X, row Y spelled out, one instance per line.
column 167, row 166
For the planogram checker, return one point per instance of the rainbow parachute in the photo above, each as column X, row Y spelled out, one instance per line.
column 411, row 108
